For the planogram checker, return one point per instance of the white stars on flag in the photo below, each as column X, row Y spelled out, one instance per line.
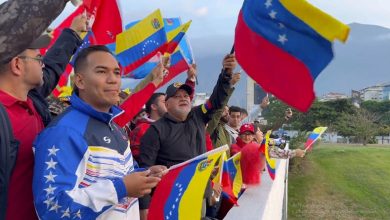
column 50, row 190
column 51, row 164
column 147, row 43
column 50, row 177
column 53, row 151
column 281, row 35
column 66, row 213
column 272, row 14
column 268, row 3
column 282, row 38
column 179, row 188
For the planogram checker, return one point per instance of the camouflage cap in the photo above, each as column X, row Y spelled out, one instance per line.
column 23, row 21
column 41, row 42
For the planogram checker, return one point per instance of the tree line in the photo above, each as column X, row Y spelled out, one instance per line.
column 360, row 124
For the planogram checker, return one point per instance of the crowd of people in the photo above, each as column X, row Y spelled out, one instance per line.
column 100, row 155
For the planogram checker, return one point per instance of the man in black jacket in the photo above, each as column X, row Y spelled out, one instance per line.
column 180, row 134
column 25, row 81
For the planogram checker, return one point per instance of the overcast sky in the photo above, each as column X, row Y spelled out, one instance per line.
column 218, row 17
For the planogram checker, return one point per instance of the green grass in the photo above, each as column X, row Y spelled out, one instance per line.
column 341, row 182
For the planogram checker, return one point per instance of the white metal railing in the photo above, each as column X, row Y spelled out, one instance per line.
column 266, row 201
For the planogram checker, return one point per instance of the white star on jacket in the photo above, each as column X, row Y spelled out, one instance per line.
column 51, row 164
column 48, row 202
column 53, row 150
column 66, row 213
column 50, row 190
column 55, row 207
column 77, row 214
column 50, row 177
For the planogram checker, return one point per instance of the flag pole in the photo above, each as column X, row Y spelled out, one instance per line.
column 231, row 52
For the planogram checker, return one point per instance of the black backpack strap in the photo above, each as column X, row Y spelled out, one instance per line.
column 8, row 152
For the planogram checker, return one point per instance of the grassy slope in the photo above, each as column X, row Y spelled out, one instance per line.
column 337, row 182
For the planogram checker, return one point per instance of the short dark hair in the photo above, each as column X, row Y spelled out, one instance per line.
column 3, row 67
column 82, row 56
column 152, row 100
column 244, row 111
column 81, row 59
column 234, row 109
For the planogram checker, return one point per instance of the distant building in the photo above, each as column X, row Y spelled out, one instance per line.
column 386, row 92
column 332, row 96
column 356, row 98
column 378, row 92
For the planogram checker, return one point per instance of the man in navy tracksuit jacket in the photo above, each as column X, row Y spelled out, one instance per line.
column 83, row 164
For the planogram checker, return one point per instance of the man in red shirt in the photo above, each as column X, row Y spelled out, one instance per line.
column 23, row 86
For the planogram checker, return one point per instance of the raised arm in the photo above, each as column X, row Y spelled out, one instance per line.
column 220, row 91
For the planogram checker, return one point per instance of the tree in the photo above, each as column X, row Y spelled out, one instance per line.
column 362, row 124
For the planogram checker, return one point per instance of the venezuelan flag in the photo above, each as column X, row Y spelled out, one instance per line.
column 179, row 195
column 232, row 177
column 284, row 45
column 175, row 36
column 271, row 163
column 317, row 132
column 171, row 24
column 218, row 176
column 88, row 40
column 178, row 65
column 141, row 42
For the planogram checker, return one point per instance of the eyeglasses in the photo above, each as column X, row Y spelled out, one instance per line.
column 38, row 59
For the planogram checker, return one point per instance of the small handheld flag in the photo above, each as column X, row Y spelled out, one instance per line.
column 271, row 163
column 317, row 132
column 179, row 194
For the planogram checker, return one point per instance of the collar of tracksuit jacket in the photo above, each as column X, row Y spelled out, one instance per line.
column 84, row 107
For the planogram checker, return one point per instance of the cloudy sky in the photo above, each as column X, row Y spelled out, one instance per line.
column 218, row 17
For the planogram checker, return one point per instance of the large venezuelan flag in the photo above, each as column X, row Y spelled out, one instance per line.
column 284, row 45
column 141, row 42
column 317, row 132
column 179, row 195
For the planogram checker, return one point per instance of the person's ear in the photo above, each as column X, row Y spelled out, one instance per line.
column 79, row 81
column 16, row 66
